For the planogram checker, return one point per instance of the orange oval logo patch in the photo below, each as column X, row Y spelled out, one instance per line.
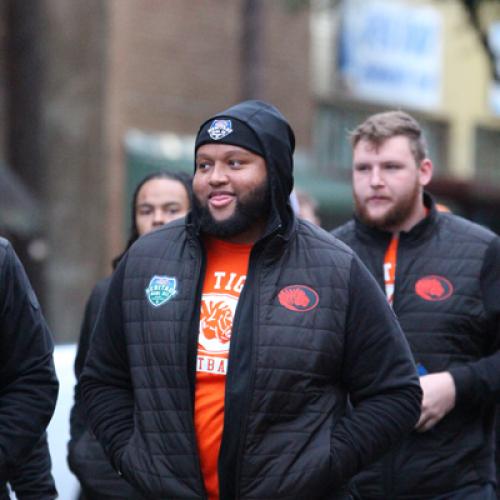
column 299, row 298
column 433, row 288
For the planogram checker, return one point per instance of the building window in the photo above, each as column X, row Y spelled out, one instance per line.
column 487, row 154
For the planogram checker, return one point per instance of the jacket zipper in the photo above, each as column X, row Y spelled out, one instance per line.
column 244, row 424
column 396, row 280
column 244, row 419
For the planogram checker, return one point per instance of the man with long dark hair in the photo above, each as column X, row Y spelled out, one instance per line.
column 159, row 198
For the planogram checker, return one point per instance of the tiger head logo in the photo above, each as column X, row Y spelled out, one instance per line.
column 298, row 298
column 433, row 288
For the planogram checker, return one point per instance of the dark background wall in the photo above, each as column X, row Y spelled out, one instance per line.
column 76, row 76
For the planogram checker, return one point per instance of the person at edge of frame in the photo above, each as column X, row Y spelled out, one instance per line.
column 28, row 385
column 229, row 342
column 159, row 198
column 441, row 274
column 307, row 207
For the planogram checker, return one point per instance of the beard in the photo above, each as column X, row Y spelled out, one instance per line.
column 396, row 216
column 250, row 209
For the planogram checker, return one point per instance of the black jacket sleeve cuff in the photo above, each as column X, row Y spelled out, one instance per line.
column 463, row 376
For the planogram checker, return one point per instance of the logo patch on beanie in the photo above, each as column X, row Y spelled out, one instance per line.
column 220, row 129
column 160, row 290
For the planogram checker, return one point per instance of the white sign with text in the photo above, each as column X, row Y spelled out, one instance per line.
column 392, row 52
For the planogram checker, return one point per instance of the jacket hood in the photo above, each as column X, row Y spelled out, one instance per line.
column 275, row 139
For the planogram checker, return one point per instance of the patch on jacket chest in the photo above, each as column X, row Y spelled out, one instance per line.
column 299, row 298
column 160, row 290
column 434, row 288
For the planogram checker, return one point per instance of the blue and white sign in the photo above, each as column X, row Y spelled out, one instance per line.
column 494, row 40
column 392, row 52
column 495, row 98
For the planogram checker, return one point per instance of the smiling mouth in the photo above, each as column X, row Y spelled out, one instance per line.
column 219, row 200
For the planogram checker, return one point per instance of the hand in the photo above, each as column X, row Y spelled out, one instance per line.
column 438, row 399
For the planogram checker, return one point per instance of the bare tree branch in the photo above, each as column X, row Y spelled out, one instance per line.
column 472, row 9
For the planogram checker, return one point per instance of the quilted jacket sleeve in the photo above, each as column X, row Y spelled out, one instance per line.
column 78, row 416
column 480, row 380
column 380, row 376
column 32, row 480
column 105, row 382
column 28, row 383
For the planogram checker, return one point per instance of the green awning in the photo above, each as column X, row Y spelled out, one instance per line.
column 331, row 195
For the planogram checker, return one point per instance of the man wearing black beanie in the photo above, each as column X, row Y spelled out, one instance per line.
column 230, row 342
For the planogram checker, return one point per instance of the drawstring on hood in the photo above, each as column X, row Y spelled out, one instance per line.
column 260, row 128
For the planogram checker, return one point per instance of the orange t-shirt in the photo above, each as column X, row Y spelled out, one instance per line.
column 226, row 270
column 390, row 268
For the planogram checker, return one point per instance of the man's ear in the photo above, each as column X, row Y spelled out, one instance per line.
column 426, row 169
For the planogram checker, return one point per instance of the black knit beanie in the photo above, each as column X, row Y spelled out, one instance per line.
column 223, row 130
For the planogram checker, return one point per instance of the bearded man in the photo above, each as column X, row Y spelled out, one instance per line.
column 441, row 274
column 230, row 342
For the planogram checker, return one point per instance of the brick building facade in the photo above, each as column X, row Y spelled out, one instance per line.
column 107, row 66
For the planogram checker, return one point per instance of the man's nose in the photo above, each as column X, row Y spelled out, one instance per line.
column 376, row 178
column 158, row 217
column 218, row 174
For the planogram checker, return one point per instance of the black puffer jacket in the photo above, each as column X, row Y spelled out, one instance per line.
column 28, row 383
column 446, row 299
column 86, row 458
column 497, row 451
column 311, row 328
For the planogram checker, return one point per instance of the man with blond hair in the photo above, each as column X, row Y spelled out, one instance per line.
column 441, row 274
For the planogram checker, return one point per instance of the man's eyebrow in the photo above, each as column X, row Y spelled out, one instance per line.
column 241, row 153
column 225, row 154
